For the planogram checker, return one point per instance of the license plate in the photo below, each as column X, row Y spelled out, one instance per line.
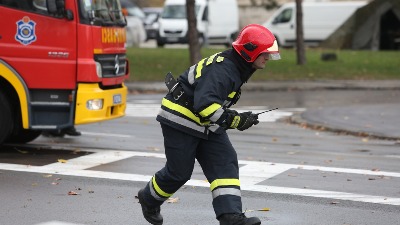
column 117, row 99
column 172, row 39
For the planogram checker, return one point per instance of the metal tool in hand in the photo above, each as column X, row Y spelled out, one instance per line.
column 265, row 111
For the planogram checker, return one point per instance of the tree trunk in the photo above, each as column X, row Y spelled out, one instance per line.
column 300, row 49
column 193, row 34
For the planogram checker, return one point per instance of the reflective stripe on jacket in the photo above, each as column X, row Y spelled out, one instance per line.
column 211, row 85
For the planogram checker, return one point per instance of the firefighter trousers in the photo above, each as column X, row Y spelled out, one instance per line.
column 219, row 163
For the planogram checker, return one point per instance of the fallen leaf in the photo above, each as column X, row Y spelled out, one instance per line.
column 173, row 200
column 72, row 193
column 76, row 151
column 264, row 209
column 62, row 160
column 261, row 210
column 22, row 152
column 153, row 149
column 47, row 175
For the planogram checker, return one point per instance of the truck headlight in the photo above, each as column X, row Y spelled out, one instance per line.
column 94, row 104
column 98, row 70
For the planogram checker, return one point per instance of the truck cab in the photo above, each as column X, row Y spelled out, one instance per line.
column 62, row 63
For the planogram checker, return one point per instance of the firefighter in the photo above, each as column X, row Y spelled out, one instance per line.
column 194, row 117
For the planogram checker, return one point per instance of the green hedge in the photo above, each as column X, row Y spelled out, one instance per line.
column 151, row 64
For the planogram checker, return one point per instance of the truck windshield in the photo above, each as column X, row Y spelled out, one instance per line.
column 102, row 12
column 176, row 11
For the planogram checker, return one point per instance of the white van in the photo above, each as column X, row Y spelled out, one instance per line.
column 217, row 22
column 320, row 19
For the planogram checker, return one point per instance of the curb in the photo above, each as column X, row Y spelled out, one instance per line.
column 298, row 120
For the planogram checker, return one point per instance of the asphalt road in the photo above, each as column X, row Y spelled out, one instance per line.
column 296, row 174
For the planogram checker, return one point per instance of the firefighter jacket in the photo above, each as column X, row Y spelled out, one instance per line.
column 210, row 86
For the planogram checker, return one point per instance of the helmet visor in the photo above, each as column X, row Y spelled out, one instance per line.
column 274, row 56
column 273, row 51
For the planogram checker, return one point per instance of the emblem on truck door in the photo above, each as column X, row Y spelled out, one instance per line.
column 25, row 31
column 116, row 66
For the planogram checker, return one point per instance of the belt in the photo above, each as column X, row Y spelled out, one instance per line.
column 176, row 90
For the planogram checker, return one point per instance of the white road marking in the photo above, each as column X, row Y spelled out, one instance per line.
column 106, row 134
column 393, row 156
column 251, row 174
column 58, row 223
column 150, row 109
column 142, row 110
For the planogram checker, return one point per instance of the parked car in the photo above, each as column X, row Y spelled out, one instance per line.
column 217, row 22
column 151, row 24
column 320, row 20
column 135, row 32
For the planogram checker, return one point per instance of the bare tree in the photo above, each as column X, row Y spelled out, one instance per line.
column 193, row 34
column 300, row 49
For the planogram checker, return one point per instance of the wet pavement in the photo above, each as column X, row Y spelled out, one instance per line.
column 378, row 120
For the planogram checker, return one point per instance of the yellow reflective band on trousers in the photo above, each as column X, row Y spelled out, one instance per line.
column 224, row 182
column 158, row 189
column 210, row 110
column 182, row 110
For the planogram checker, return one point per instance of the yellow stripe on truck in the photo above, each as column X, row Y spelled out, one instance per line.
column 109, row 110
column 19, row 85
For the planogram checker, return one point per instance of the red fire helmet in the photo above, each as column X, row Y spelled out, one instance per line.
column 255, row 39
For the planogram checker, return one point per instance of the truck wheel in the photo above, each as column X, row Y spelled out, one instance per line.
column 24, row 136
column 201, row 40
column 18, row 134
column 160, row 43
column 6, row 119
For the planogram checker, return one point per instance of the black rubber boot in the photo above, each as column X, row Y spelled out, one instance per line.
column 71, row 131
column 238, row 219
column 152, row 215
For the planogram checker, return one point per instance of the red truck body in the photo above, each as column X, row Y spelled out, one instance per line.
column 62, row 63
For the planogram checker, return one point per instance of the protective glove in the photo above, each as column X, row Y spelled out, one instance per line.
column 247, row 119
column 240, row 121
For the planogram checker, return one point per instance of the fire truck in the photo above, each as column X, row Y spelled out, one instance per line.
column 62, row 63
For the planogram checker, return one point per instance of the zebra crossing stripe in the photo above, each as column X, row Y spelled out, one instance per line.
column 148, row 109
column 252, row 174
